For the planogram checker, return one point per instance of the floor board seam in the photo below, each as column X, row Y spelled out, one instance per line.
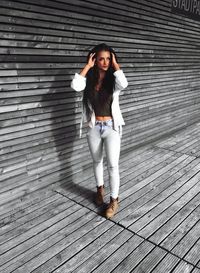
column 168, row 149
column 134, row 233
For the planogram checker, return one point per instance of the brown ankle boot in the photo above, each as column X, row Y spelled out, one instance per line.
column 112, row 207
column 99, row 195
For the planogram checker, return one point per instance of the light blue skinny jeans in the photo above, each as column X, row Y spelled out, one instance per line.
column 101, row 135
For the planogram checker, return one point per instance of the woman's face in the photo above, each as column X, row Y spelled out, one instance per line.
column 103, row 60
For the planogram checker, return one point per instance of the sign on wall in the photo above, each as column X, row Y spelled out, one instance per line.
column 190, row 8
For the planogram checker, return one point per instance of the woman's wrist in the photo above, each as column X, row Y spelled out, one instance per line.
column 116, row 66
column 88, row 66
column 85, row 70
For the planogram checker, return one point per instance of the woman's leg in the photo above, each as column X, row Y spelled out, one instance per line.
column 95, row 143
column 112, row 142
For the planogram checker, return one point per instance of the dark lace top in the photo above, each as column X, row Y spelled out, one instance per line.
column 102, row 108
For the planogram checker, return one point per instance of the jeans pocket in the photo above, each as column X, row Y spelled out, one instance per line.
column 115, row 131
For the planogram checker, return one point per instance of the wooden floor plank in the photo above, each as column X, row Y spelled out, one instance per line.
column 130, row 205
column 52, row 235
column 188, row 241
column 164, row 200
column 134, row 258
column 167, row 228
column 185, row 141
column 183, row 267
column 59, row 253
column 28, row 187
column 193, row 254
column 192, row 142
column 29, row 213
column 150, row 261
column 16, row 205
column 104, row 253
column 176, row 235
column 38, row 238
column 42, row 215
column 196, row 270
column 179, row 137
column 190, row 138
column 91, row 251
column 169, row 212
column 189, row 147
column 142, row 175
column 159, row 169
column 119, row 255
column 198, row 265
column 63, row 237
column 14, row 216
column 174, row 183
column 167, row 264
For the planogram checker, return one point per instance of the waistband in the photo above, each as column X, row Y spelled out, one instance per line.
column 104, row 122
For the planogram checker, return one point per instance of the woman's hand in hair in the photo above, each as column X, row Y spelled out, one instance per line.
column 114, row 62
column 91, row 60
column 89, row 65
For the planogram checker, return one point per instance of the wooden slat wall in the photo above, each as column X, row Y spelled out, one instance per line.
column 43, row 43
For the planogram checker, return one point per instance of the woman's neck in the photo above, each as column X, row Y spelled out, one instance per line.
column 101, row 74
column 100, row 80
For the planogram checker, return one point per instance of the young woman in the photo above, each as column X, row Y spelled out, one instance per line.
column 102, row 80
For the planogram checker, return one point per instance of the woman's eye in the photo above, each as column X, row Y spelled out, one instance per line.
column 101, row 59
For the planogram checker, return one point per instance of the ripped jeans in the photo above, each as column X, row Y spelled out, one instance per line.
column 101, row 135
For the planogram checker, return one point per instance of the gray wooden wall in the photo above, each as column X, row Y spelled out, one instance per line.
column 43, row 43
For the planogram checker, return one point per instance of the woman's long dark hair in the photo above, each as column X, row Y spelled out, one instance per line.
column 92, row 77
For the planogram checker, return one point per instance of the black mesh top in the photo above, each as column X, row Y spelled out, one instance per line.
column 102, row 108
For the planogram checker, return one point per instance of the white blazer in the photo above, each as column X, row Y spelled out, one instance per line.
column 78, row 83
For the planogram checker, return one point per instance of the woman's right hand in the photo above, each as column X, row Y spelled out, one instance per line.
column 89, row 65
column 91, row 61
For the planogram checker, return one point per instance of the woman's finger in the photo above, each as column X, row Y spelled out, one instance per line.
column 91, row 55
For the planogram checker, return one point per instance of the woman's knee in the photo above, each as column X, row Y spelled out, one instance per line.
column 113, row 168
column 97, row 161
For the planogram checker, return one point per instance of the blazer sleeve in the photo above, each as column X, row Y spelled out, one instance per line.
column 120, row 80
column 78, row 82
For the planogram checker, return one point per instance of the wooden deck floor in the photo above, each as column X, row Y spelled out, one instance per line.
column 157, row 227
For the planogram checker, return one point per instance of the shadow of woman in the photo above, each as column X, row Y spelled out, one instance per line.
column 74, row 164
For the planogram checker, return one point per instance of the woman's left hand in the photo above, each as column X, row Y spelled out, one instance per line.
column 114, row 62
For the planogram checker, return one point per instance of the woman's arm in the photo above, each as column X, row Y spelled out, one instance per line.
column 120, row 79
column 78, row 83
column 114, row 63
